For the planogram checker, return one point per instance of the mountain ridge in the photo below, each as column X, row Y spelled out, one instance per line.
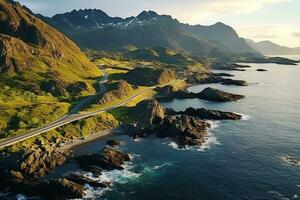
column 147, row 30
column 268, row 47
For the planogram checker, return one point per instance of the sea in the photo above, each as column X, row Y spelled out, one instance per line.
column 244, row 159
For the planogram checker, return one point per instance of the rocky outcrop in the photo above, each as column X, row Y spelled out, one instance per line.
column 212, row 94
column 184, row 129
column 229, row 66
column 108, row 159
column 210, row 114
column 55, row 87
column 208, row 78
column 261, row 70
column 114, row 143
column 116, row 91
column 209, row 94
column 147, row 114
column 77, row 87
column 32, row 164
column 59, row 189
column 234, row 82
column 82, row 180
column 149, row 76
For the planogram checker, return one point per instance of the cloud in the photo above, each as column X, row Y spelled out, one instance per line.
column 265, row 36
column 284, row 33
column 186, row 10
column 296, row 34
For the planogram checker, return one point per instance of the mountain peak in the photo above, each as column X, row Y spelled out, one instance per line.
column 147, row 15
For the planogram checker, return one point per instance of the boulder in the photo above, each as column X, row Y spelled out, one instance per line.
column 108, row 159
column 212, row 94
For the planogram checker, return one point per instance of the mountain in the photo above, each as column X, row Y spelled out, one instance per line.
column 222, row 34
column 94, row 29
column 31, row 50
column 41, row 71
column 271, row 48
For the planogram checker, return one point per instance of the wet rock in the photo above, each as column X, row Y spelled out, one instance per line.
column 185, row 129
column 261, row 70
column 114, row 143
column 211, row 114
column 60, row 189
column 82, row 180
column 234, row 82
column 97, row 171
column 108, row 159
column 290, row 160
column 212, row 94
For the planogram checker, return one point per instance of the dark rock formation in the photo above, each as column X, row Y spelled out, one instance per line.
column 108, row 159
column 34, row 163
column 224, row 74
column 82, row 180
column 114, row 143
column 149, row 76
column 60, row 189
column 261, row 70
column 229, row 66
column 116, row 91
column 212, row 94
column 55, row 87
column 147, row 114
column 208, row 78
column 186, row 130
column 211, row 114
column 234, row 82
column 77, row 87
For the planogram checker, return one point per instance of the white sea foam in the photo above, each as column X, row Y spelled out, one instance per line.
column 277, row 195
column 161, row 166
column 137, row 139
column 244, row 116
column 20, row 197
column 210, row 140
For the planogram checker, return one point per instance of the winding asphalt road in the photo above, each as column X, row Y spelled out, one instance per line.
column 73, row 115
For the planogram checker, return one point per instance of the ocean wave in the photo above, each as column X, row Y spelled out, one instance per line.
column 277, row 195
column 210, row 140
column 156, row 167
column 244, row 116
column 137, row 140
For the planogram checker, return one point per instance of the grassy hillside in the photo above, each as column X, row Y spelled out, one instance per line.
column 41, row 71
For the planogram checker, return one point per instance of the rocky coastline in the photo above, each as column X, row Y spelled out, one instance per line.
column 28, row 175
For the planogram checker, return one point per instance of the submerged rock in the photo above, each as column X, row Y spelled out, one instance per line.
column 108, row 159
column 212, row 94
column 211, row 114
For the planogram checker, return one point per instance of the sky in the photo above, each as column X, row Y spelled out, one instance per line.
column 275, row 20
